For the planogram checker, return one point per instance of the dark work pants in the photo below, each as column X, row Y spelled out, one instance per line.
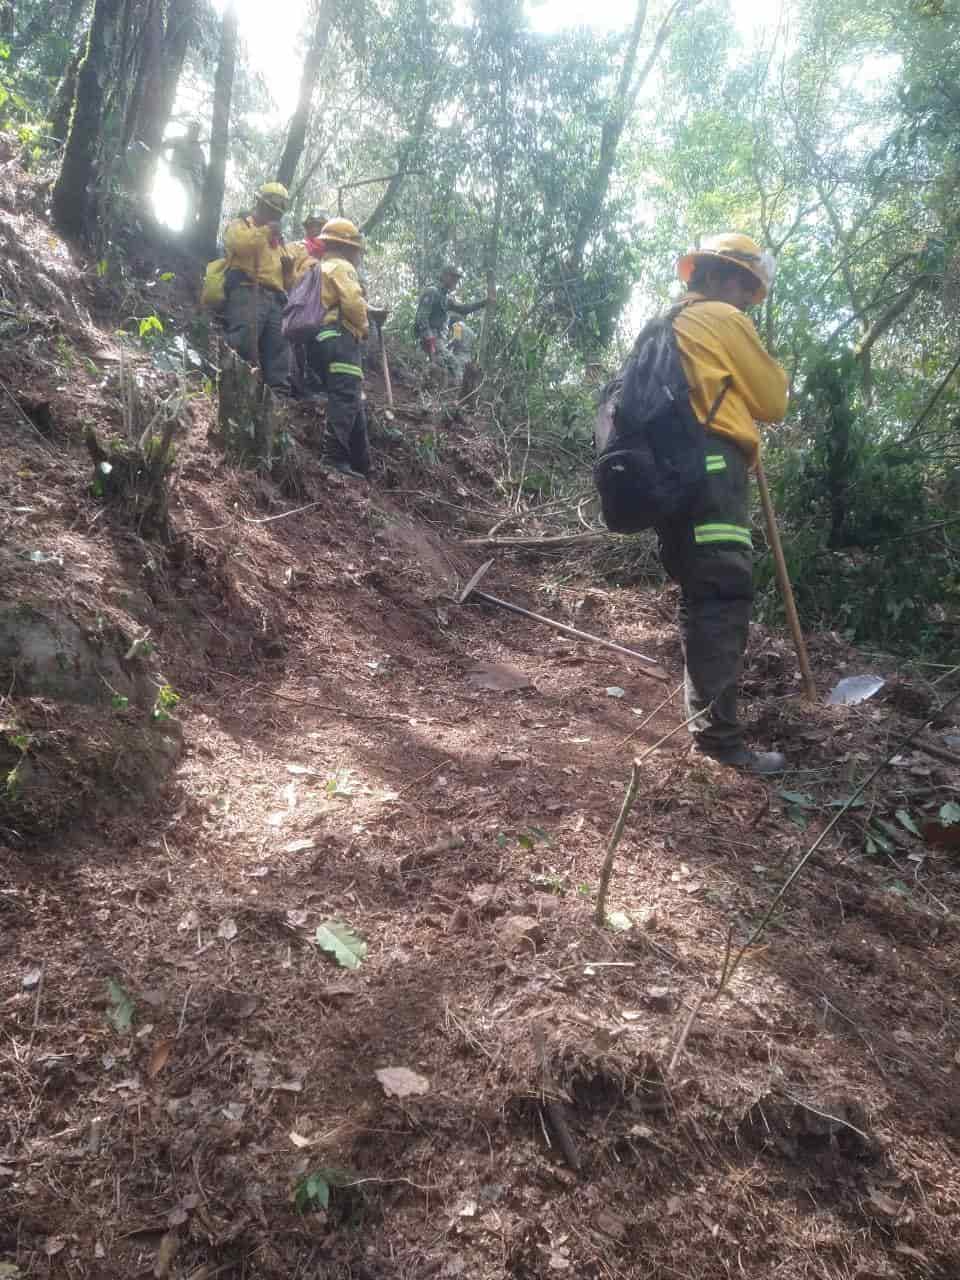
column 710, row 556
column 305, row 370
column 339, row 363
column 253, row 315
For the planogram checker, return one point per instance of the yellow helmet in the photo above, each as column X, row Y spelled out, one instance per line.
column 274, row 195
column 730, row 246
column 342, row 231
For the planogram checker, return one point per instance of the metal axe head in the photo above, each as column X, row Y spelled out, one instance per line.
column 474, row 582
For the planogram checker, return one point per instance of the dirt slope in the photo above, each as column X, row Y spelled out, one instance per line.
column 178, row 1055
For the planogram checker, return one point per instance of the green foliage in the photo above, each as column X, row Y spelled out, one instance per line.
column 150, row 327
column 426, row 448
column 339, row 939
column 313, row 1191
column 122, row 1007
column 907, row 822
column 12, row 783
column 167, row 699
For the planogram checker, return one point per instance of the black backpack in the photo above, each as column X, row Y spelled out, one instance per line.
column 650, row 445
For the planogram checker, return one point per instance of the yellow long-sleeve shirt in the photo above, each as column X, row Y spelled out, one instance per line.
column 716, row 341
column 342, row 295
column 249, row 250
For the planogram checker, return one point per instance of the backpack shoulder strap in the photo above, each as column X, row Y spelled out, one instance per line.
column 727, row 380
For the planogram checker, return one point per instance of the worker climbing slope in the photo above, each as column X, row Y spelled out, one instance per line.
column 734, row 384
column 432, row 323
column 258, row 272
column 305, row 255
column 188, row 167
column 345, row 326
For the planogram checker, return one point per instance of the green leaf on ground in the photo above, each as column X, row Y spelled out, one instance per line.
column 313, row 1191
column 949, row 813
column 881, row 840
column 903, row 817
column 122, row 1008
column 799, row 798
column 341, row 942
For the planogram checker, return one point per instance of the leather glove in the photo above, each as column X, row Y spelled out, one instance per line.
column 429, row 345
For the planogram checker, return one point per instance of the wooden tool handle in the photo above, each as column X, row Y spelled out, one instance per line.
column 386, row 368
column 786, row 590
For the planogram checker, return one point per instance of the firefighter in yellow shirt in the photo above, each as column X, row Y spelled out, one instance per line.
column 734, row 384
column 345, row 326
column 258, row 273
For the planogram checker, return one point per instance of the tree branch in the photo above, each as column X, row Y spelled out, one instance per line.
column 888, row 319
column 407, row 153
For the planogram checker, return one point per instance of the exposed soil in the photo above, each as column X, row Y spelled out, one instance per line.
column 178, row 1055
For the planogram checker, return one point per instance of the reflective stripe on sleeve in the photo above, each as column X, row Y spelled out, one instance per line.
column 324, row 334
column 716, row 462
column 338, row 366
column 722, row 533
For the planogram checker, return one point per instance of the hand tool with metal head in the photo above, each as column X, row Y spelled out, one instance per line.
column 470, row 592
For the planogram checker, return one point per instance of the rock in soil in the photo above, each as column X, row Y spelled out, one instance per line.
column 516, row 933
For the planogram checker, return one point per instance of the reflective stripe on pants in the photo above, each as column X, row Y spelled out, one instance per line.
column 710, row 556
column 346, row 435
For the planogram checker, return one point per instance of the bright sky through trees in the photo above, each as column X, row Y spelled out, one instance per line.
column 271, row 52
column 267, row 29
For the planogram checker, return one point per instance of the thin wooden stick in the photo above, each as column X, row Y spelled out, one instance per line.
column 655, row 712
column 628, row 801
column 269, row 519
column 555, row 540
column 388, row 385
column 786, row 590
column 36, row 1006
column 615, row 836
column 938, row 752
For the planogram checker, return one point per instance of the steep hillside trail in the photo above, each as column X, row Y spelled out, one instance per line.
column 181, row 1058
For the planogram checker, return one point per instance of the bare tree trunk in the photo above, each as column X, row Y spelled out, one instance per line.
column 208, row 222
column 297, row 133
column 144, row 83
column 74, row 202
column 161, row 65
column 181, row 25
column 407, row 154
column 628, row 88
column 493, row 259
column 492, row 253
